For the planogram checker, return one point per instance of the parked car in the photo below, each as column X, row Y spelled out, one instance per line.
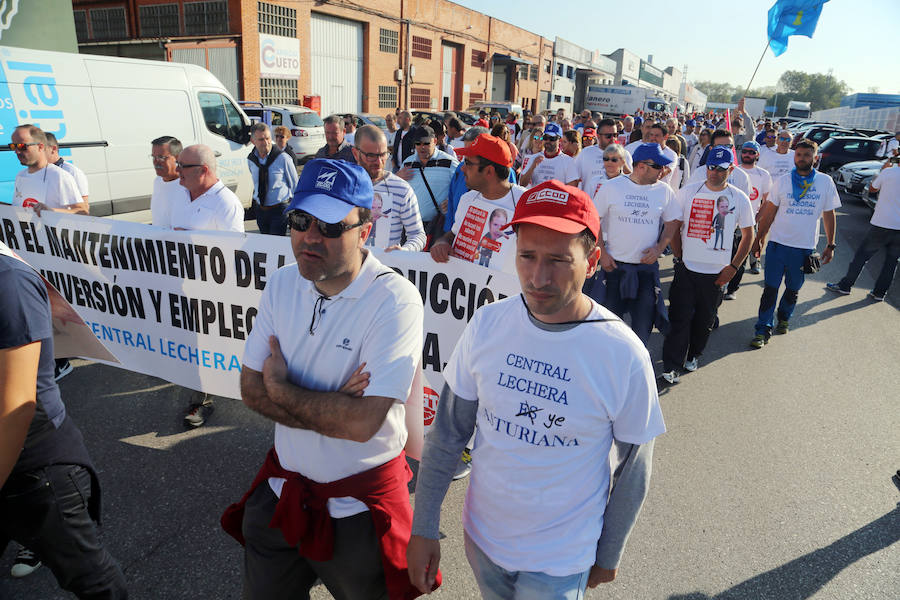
column 307, row 128
column 837, row 151
column 467, row 118
column 368, row 119
column 820, row 133
column 853, row 177
column 503, row 108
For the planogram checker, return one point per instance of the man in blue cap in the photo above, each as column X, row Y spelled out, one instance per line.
column 706, row 263
column 689, row 135
column 331, row 360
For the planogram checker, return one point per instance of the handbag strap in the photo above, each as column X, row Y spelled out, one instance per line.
column 428, row 187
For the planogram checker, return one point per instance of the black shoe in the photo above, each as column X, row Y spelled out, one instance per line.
column 62, row 368
column 198, row 413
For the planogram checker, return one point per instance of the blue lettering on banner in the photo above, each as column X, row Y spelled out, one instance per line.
column 181, row 352
column 525, row 434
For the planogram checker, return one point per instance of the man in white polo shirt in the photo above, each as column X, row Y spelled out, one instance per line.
column 167, row 188
column 633, row 210
column 552, row 380
column 330, row 360
column 796, row 203
column 552, row 164
column 884, row 234
column 710, row 214
column 211, row 206
column 41, row 185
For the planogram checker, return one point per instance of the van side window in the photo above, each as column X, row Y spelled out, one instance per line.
column 221, row 116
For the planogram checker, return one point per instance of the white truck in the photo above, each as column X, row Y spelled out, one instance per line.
column 798, row 110
column 110, row 109
column 617, row 100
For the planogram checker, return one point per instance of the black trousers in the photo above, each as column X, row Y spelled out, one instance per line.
column 273, row 570
column 693, row 299
column 46, row 511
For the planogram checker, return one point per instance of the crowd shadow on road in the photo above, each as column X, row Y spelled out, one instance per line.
column 802, row 577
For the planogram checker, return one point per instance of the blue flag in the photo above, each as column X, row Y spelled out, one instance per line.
column 792, row 17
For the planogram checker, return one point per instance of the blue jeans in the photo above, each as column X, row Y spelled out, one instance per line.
column 877, row 238
column 782, row 262
column 496, row 583
column 271, row 219
column 642, row 308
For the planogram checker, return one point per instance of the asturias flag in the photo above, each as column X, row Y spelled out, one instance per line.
column 792, row 17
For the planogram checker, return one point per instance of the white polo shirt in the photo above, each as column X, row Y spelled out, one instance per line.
column 217, row 209
column 51, row 185
column 167, row 194
column 377, row 320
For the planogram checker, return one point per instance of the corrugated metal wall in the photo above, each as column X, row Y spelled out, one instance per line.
column 336, row 69
column 223, row 63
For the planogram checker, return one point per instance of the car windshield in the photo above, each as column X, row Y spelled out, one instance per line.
column 306, row 119
column 377, row 121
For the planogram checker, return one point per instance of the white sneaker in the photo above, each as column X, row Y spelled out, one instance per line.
column 670, row 377
column 729, row 296
column 691, row 365
column 25, row 563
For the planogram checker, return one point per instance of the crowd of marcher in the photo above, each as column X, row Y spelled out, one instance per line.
column 579, row 207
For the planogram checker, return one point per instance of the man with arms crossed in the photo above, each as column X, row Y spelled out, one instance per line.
column 550, row 396
column 331, row 360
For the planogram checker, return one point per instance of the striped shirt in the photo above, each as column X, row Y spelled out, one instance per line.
column 398, row 210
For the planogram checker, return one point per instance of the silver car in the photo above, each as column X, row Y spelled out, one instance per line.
column 306, row 126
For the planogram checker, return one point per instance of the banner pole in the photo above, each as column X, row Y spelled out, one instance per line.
column 756, row 69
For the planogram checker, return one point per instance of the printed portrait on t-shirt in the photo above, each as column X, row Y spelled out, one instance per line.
column 379, row 213
column 709, row 226
column 491, row 240
column 723, row 210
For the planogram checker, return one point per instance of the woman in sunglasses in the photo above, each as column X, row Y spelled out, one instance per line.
column 613, row 164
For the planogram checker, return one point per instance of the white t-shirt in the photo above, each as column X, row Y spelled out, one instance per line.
column 167, row 194
column 887, row 209
column 51, row 185
column 589, row 164
column 891, row 147
column 673, row 171
column 478, row 227
column 526, row 160
column 738, row 178
column 561, row 167
column 593, row 186
column 81, row 180
column 549, row 406
column 796, row 223
column 377, row 320
column 708, row 222
column 760, row 185
column 217, row 209
column 349, row 137
column 777, row 164
column 631, row 216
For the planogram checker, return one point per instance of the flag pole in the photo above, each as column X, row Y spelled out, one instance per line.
column 752, row 77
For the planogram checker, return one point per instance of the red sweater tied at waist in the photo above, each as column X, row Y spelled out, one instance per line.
column 303, row 518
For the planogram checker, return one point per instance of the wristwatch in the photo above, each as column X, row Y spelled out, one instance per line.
column 831, row 246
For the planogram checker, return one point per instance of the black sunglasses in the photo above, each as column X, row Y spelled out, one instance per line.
column 302, row 221
column 616, row 159
column 653, row 165
column 608, row 135
column 712, row 168
column 549, row 138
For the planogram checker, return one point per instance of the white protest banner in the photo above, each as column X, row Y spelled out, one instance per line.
column 179, row 305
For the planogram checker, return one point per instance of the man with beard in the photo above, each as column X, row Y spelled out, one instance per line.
column 552, row 164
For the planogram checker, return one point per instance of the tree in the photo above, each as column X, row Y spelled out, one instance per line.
column 715, row 92
column 820, row 90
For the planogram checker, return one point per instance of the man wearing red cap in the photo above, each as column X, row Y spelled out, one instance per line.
column 564, row 381
column 484, row 209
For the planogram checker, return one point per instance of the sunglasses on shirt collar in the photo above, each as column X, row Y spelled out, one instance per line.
column 302, row 221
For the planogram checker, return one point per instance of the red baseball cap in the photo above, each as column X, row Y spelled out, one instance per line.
column 559, row 207
column 487, row 146
column 589, row 132
column 482, row 123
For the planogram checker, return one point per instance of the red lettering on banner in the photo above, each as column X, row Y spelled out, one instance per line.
column 465, row 244
column 700, row 221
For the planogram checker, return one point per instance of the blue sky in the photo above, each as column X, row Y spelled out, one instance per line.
column 723, row 40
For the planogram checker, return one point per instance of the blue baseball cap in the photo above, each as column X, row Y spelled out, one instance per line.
column 329, row 189
column 691, row 123
column 750, row 144
column 553, row 129
column 720, row 156
column 650, row 152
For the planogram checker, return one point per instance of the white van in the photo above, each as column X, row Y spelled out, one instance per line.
column 116, row 106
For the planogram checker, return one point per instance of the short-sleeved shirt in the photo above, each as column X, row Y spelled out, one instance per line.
column 796, row 223
column 561, row 167
column 216, row 209
column 760, row 185
column 377, row 320
column 589, row 164
column 167, row 194
column 51, row 185
column 550, row 404
column 81, row 180
column 738, row 178
column 887, row 209
column 478, row 233
column 708, row 220
column 399, row 210
column 777, row 164
column 632, row 215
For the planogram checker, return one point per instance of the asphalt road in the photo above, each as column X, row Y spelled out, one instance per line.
column 772, row 481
